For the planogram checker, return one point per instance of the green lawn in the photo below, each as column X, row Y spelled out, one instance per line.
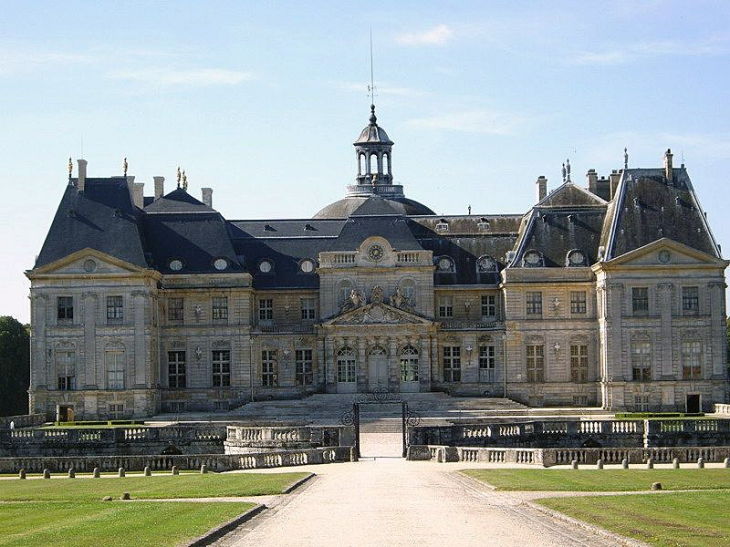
column 678, row 519
column 140, row 487
column 122, row 524
column 69, row 512
column 604, row 480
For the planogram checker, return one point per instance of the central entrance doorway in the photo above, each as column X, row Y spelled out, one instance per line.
column 378, row 364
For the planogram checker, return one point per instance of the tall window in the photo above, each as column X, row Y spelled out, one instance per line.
column 114, row 360
column 175, row 309
column 176, row 369
column 269, row 372
column 114, row 309
column 535, row 363
column 487, row 362
column 409, row 364
column 452, row 363
column 266, row 309
column 65, row 308
column 220, row 308
column 346, row 365
column 489, row 305
column 304, row 375
column 641, row 361
column 446, row 306
column 533, row 303
column 577, row 302
column 640, row 300
column 408, row 289
column 221, row 368
column 343, row 292
column 308, row 308
column 691, row 360
column 578, row 363
column 690, row 300
column 66, row 370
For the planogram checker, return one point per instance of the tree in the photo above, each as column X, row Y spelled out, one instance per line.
column 14, row 366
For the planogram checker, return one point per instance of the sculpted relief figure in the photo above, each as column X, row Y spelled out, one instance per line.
column 376, row 295
column 399, row 300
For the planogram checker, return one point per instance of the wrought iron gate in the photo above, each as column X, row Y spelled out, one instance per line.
column 380, row 397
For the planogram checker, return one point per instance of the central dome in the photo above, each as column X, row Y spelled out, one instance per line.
column 374, row 152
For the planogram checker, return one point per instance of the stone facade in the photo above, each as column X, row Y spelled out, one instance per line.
column 608, row 296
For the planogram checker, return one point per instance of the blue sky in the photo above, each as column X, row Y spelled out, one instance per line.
column 262, row 100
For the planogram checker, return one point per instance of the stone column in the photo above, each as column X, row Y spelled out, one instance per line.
column 361, row 373
column 435, row 375
column 618, row 366
column 140, row 357
column 331, row 366
column 393, row 372
column 665, row 338
column 90, row 365
column 321, row 378
column 716, row 350
column 39, row 357
column 424, row 364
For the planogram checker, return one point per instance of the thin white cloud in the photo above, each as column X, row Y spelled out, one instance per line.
column 191, row 77
column 438, row 35
column 380, row 89
column 486, row 122
column 646, row 50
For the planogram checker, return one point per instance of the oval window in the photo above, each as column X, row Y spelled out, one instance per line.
column 220, row 264
column 307, row 266
column 176, row 265
column 266, row 266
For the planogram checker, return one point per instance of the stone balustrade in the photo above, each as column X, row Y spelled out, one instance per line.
column 25, row 420
column 213, row 462
column 577, row 433
column 548, row 457
column 246, row 439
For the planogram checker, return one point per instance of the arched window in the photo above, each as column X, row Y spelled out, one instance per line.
column 408, row 290
column 409, row 364
column 344, row 288
column 386, row 163
column 360, row 164
column 346, row 365
column 373, row 164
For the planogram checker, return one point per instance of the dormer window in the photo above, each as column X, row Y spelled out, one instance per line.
column 442, row 225
column 265, row 266
column 575, row 258
column 486, row 264
column 220, row 264
column 306, row 266
column 176, row 265
column 532, row 259
column 483, row 225
column 445, row 265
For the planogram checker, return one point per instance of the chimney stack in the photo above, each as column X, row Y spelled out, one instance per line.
column 668, row 166
column 81, row 181
column 592, row 178
column 138, row 194
column 541, row 187
column 614, row 177
column 159, row 187
column 208, row 196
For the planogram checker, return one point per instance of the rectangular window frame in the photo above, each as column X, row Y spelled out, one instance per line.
column 446, row 306
column 304, row 367
column 66, row 370
column 176, row 369
column 641, row 360
column 308, row 309
column 221, row 367
column 451, row 356
column 114, row 309
column 269, row 368
column 176, row 308
column 690, row 300
column 266, row 309
column 65, row 309
column 533, row 303
column 114, row 361
column 535, row 363
column 489, row 306
column 578, row 302
column 219, row 309
column 579, row 363
column 640, row 300
column 691, row 360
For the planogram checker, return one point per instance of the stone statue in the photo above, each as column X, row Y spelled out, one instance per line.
column 356, row 299
column 376, row 295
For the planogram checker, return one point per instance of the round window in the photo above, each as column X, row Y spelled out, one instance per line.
column 307, row 266
column 664, row 256
column 176, row 265
column 444, row 264
column 576, row 258
column 265, row 266
column 532, row 258
column 89, row 265
column 220, row 264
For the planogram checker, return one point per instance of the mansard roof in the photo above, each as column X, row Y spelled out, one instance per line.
column 102, row 217
column 348, row 206
column 648, row 207
column 177, row 201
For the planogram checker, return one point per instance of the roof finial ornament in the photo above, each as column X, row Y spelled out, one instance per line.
column 564, row 172
column 70, row 169
column 184, row 181
column 125, row 166
column 179, row 176
column 626, row 158
column 567, row 167
column 371, row 87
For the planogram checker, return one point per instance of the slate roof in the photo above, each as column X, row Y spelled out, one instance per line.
column 347, row 206
column 102, row 217
column 648, row 208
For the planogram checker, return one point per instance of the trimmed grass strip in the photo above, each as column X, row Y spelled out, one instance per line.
column 678, row 519
column 604, row 480
column 156, row 487
column 122, row 524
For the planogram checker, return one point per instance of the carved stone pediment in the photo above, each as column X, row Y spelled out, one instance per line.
column 377, row 313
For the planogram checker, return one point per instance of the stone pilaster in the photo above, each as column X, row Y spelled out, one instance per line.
column 140, row 354
column 666, row 347
column 424, row 364
column 90, row 358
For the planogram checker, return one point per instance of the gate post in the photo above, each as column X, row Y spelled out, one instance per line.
column 404, row 412
column 356, row 412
